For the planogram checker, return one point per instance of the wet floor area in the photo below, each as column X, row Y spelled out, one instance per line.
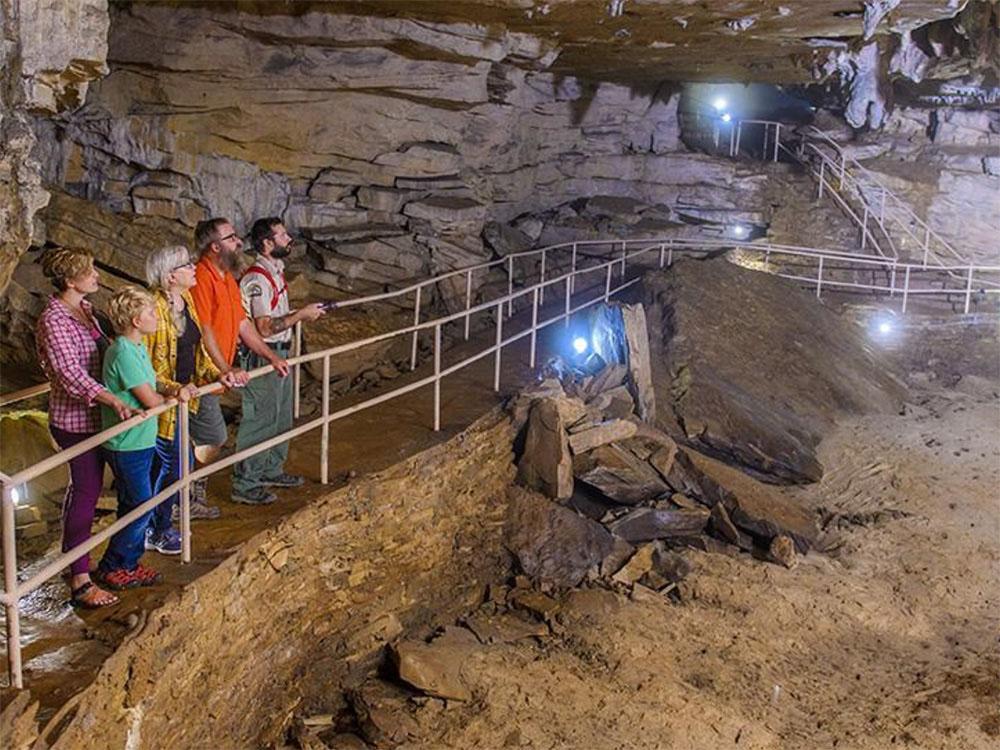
column 63, row 648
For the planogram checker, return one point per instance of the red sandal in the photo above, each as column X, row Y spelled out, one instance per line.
column 146, row 576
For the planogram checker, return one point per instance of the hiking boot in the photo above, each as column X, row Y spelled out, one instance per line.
column 199, row 512
column 285, row 480
column 167, row 542
column 255, row 496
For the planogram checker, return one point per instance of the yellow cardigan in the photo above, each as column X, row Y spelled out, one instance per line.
column 162, row 347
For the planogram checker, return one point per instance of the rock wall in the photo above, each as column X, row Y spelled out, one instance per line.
column 302, row 608
column 945, row 164
column 49, row 51
column 389, row 143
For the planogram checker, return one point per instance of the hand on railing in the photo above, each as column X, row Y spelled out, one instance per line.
column 123, row 410
column 280, row 366
column 234, row 378
column 186, row 392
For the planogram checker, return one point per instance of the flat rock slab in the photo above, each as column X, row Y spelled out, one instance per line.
column 546, row 464
column 647, row 524
column 761, row 510
column 754, row 369
column 504, row 627
column 639, row 367
column 433, row 669
column 619, row 473
column 601, row 434
column 552, row 543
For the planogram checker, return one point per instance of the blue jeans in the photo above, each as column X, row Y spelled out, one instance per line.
column 133, row 475
column 167, row 470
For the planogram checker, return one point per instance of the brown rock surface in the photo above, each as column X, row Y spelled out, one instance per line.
column 553, row 543
column 546, row 464
column 762, row 371
column 433, row 669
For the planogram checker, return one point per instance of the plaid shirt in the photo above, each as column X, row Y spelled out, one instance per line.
column 162, row 348
column 70, row 358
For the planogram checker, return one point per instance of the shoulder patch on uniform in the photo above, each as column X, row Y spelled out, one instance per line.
column 255, row 290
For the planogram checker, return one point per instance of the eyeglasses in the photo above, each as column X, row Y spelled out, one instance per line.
column 227, row 237
column 188, row 264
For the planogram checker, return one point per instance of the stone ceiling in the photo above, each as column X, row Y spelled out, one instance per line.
column 649, row 41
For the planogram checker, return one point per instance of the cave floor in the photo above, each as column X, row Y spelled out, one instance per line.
column 887, row 640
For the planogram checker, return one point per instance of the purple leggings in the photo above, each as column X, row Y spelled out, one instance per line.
column 86, row 478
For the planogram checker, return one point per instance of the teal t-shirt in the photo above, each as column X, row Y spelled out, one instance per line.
column 127, row 365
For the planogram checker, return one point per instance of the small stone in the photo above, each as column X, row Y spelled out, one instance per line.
column 640, row 564
column 782, row 551
column 436, row 670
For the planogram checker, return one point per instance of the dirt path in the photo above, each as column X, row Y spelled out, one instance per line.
column 888, row 640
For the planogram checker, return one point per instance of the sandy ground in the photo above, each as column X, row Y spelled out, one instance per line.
column 887, row 640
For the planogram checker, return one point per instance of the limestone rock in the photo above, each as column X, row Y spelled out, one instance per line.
column 619, row 474
column 546, row 464
column 552, row 543
column 434, row 669
column 640, row 372
column 638, row 565
column 601, row 434
column 647, row 524
column 759, row 375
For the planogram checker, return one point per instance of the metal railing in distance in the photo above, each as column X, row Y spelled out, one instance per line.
column 641, row 254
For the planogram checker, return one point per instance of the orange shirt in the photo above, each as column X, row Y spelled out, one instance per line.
column 220, row 307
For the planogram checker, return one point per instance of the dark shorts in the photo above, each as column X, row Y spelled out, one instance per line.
column 207, row 426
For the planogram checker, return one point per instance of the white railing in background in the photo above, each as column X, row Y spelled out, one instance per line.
column 904, row 280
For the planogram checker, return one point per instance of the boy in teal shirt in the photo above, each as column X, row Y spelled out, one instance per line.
column 129, row 375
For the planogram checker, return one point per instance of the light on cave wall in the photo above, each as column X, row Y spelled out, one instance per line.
column 726, row 117
column 739, row 231
column 720, row 103
column 580, row 344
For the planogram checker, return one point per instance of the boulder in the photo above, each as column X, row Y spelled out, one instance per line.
column 546, row 464
column 640, row 372
column 647, row 524
column 553, row 544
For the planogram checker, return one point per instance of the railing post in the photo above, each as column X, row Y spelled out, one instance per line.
column 739, row 136
column 763, row 153
column 572, row 268
column 184, row 446
column 468, row 302
column 324, row 443
column 607, row 284
column 542, row 279
column 624, row 256
column 499, row 341
column 767, row 260
column 881, row 210
column 663, row 254
column 670, row 254
column 892, row 280
column 906, row 286
column 510, row 285
column 819, row 278
column 437, row 378
column 864, row 228
column 822, row 166
column 927, row 243
column 777, row 130
column 15, row 679
column 968, row 292
column 732, row 140
column 569, row 302
column 297, row 371
column 534, row 326
column 416, row 321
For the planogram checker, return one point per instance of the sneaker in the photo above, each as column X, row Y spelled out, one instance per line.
column 199, row 512
column 117, row 579
column 145, row 576
column 167, row 542
column 199, row 491
column 255, row 496
column 285, row 480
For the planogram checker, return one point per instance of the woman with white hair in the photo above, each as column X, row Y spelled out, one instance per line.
column 179, row 359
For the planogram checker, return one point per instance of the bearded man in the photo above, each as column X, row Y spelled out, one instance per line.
column 267, row 400
column 224, row 324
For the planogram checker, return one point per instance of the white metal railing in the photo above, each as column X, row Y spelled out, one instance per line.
column 641, row 253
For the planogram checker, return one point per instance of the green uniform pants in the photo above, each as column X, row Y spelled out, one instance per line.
column 267, row 411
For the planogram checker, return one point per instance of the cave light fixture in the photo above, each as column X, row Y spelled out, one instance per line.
column 16, row 494
column 720, row 103
column 740, row 231
column 580, row 345
column 726, row 117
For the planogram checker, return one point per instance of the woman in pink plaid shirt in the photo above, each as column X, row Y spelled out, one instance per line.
column 70, row 344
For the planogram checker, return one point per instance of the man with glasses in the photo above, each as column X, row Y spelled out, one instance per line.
column 267, row 400
column 224, row 324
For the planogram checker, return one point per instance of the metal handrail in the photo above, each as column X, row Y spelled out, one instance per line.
column 15, row 591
